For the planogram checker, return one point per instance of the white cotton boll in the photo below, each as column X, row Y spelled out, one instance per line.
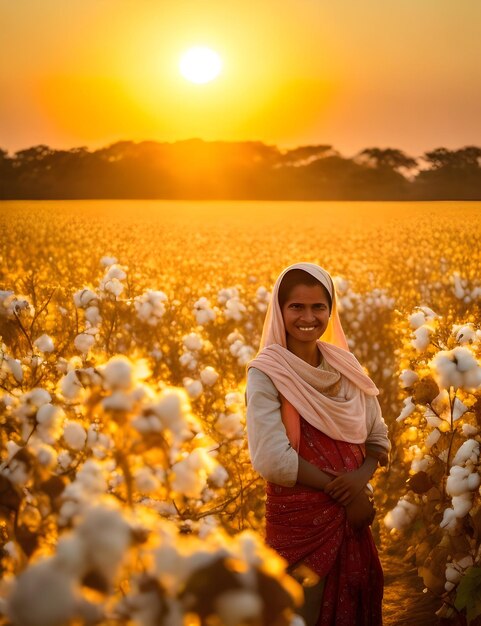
column 401, row 516
column 416, row 320
column 473, row 481
column 209, row 376
column 43, row 594
column 37, row 397
column 190, row 474
column 233, row 398
column 145, row 481
column 469, row 430
column 453, row 574
column 107, row 261
column 70, row 555
column 118, row 401
column 114, row 287
column 408, row 378
column 44, row 343
column 457, row 482
column 458, row 286
column 420, row 465
column 188, row 360
column 70, row 386
column 234, row 309
column 246, row 353
column 46, row 456
column 173, row 408
column 15, row 368
column 193, row 387
column 106, row 537
column 449, row 586
column 238, row 606
column 92, row 315
column 449, row 520
column 49, row 419
column 409, row 407
column 74, row 435
column 114, row 272
column 465, row 562
column 230, row 425
column 146, row 425
column 192, row 341
column 83, row 342
column 469, row 450
column 464, row 333
column 462, row 504
column 64, row 459
column 84, row 298
column 117, row 373
column 422, row 338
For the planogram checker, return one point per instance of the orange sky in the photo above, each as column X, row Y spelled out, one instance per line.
column 351, row 73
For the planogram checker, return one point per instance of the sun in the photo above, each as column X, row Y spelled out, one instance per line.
column 200, row 64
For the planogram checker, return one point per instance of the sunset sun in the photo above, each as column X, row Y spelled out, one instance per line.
column 200, row 64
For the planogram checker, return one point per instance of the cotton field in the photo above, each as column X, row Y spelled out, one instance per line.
column 127, row 496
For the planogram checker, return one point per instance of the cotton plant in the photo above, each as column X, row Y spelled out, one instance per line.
column 439, row 429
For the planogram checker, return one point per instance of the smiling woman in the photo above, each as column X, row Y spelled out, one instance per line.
column 200, row 64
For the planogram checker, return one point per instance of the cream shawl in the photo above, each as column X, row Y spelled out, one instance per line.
column 306, row 387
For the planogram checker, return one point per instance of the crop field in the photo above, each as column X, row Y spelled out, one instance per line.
column 126, row 491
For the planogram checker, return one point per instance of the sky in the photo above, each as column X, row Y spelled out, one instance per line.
column 349, row 73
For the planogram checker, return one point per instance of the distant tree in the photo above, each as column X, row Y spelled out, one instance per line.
column 388, row 158
column 467, row 157
column 305, row 155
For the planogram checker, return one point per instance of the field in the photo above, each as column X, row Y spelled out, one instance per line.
column 125, row 327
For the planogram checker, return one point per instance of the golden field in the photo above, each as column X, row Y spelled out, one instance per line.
column 125, row 328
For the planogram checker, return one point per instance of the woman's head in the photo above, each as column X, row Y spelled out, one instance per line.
column 295, row 277
column 305, row 305
column 301, row 276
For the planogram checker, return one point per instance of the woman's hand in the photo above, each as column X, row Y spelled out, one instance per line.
column 360, row 512
column 346, row 487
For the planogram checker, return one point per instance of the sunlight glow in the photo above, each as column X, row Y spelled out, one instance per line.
column 200, row 64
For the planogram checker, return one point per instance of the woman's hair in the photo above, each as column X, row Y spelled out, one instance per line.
column 298, row 277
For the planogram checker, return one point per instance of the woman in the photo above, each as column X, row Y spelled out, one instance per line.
column 316, row 434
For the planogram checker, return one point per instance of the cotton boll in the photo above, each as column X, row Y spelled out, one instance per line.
column 408, row 378
column 145, row 481
column 83, row 342
column 118, row 401
column 230, row 425
column 401, row 516
column 84, row 298
column 422, row 338
column 469, row 450
column 209, row 376
column 192, row 341
column 238, row 606
column 43, row 594
column 37, row 397
column 173, row 410
column 457, row 482
column 64, row 459
column 194, row 388
column 70, row 386
column 462, row 504
column 107, row 261
column 188, row 360
column 469, row 430
column 117, row 373
column 74, row 435
column 449, row 520
column 92, row 315
column 46, row 456
column 113, row 286
column 416, row 320
column 219, row 475
column 106, row 537
column 15, row 368
column 409, row 407
column 473, row 481
column 246, row 353
column 44, row 343
column 453, row 574
column 49, row 420
column 464, row 333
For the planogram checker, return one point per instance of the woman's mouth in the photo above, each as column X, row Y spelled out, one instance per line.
column 306, row 328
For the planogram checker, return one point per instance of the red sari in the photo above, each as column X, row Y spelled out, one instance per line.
column 304, row 524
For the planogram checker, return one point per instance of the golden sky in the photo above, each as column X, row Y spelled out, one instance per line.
column 351, row 73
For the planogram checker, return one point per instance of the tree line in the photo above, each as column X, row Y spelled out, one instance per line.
column 196, row 169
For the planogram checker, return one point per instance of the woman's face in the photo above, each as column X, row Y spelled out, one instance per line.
column 306, row 312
